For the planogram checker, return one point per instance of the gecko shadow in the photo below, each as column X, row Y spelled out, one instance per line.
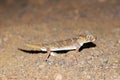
column 85, row 46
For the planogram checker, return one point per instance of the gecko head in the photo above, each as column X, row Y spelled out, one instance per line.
column 84, row 38
column 90, row 38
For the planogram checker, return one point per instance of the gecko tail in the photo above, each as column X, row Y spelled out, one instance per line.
column 34, row 46
column 30, row 51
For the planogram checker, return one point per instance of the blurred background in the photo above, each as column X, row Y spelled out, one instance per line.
column 44, row 21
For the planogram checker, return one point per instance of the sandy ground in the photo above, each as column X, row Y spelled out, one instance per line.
column 43, row 21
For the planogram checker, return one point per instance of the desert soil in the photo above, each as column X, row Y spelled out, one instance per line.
column 44, row 21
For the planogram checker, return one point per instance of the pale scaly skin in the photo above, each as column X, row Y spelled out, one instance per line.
column 68, row 44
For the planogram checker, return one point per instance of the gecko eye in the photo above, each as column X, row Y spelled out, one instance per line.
column 90, row 37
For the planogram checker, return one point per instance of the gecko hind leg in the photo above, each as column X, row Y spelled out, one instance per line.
column 76, row 54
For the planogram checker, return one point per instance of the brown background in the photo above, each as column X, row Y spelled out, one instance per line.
column 43, row 21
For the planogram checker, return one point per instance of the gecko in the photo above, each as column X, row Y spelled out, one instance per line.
column 68, row 44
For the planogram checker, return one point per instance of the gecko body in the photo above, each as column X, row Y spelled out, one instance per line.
column 68, row 44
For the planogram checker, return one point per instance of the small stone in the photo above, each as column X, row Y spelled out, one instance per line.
column 2, row 48
column 61, row 62
column 53, row 54
column 50, row 62
column 3, row 77
column 42, row 66
column 5, row 39
column 119, row 41
column 58, row 77
column 54, row 29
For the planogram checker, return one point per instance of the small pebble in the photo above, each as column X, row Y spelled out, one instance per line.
column 58, row 77
column 61, row 62
column 2, row 48
column 54, row 29
column 119, row 41
column 42, row 66
column 50, row 62
column 5, row 39
column 53, row 54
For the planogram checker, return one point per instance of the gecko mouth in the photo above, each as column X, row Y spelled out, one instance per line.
column 95, row 38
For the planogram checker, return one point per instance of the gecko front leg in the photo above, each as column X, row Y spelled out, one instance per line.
column 76, row 53
column 48, row 54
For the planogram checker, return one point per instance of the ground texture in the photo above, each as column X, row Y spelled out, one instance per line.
column 43, row 21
